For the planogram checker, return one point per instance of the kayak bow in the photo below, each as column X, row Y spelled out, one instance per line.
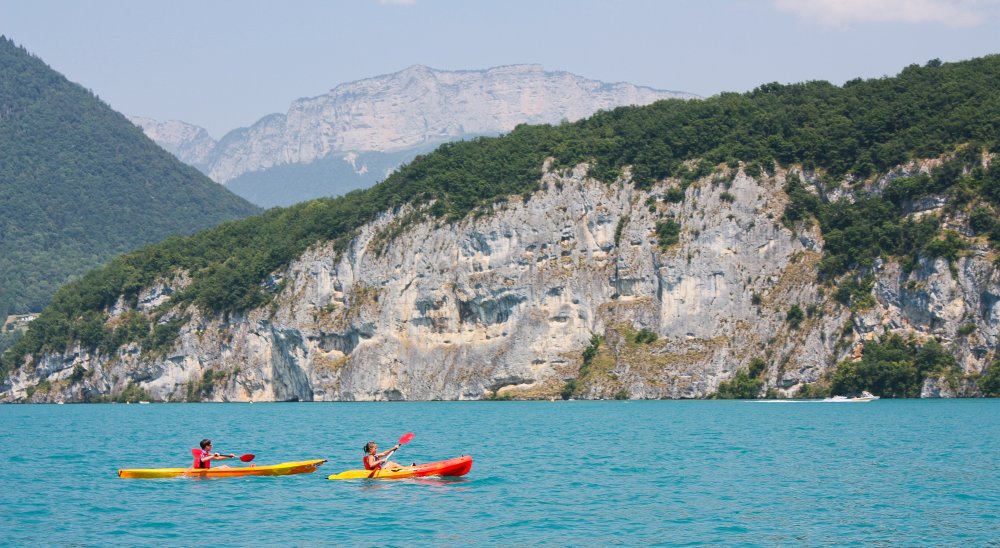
column 458, row 466
column 283, row 469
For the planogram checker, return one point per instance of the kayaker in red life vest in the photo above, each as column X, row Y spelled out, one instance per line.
column 373, row 460
column 206, row 456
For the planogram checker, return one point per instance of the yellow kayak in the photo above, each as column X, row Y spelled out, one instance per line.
column 283, row 469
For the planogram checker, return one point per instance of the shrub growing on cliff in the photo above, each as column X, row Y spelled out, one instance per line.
column 674, row 195
column 795, row 316
column 801, row 202
column 78, row 374
column 741, row 387
column 645, row 336
column 591, row 351
column 163, row 335
column 982, row 220
column 203, row 388
column 856, row 293
column 588, row 354
column 989, row 381
column 745, row 385
column 894, row 368
column 667, row 233
column 132, row 393
column 619, row 228
column 814, row 390
column 7, row 339
column 948, row 247
column 568, row 389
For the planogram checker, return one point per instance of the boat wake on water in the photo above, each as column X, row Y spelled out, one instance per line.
column 786, row 401
column 864, row 397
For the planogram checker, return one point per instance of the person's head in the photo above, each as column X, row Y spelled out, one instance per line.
column 370, row 447
column 206, row 443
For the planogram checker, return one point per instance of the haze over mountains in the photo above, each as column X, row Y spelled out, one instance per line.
column 359, row 132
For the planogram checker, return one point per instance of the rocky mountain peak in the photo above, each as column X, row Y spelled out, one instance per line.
column 411, row 108
column 191, row 143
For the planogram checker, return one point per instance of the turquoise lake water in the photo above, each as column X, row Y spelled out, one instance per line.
column 887, row 473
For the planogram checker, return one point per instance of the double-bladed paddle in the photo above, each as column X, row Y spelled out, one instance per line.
column 245, row 458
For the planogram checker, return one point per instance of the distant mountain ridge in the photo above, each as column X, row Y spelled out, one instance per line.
column 79, row 184
column 189, row 143
column 391, row 118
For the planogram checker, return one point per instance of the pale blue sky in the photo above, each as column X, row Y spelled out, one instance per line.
column 225, row 64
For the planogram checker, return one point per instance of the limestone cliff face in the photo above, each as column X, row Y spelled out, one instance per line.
column 504, row 304
column 408, row 109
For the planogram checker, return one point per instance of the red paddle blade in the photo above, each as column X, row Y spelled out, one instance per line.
column 406, row 438
column 247, row 458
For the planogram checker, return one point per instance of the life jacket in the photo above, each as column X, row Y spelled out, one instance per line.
column 378, row 466
column 198, row 463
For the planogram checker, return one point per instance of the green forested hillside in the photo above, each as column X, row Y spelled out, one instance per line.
column 80, row 184
column 843, row 133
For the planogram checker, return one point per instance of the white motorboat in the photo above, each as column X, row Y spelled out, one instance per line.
column 864, row 397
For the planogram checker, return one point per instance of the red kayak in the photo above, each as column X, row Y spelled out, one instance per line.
column 458, row 466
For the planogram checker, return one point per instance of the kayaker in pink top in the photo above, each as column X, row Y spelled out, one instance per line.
column 204, row 458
